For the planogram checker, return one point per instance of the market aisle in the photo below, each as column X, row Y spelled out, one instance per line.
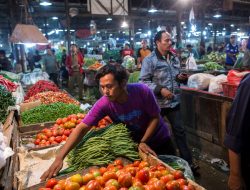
column 210, row 177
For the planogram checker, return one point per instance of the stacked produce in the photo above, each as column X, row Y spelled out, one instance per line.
column 216, row 57
column 101, row 147
column 89, row 61
column 50, row 97
column 10, row 86
column 41, row 86
column 95, row 66
column 13, row 77
column 134, row 77
column 51, row 112
column 210, row 66
column 6, row 100
column 63, row 127
column 136, row 176
column 52, row 136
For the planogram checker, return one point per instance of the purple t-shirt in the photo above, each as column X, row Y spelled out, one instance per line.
column 136, row 113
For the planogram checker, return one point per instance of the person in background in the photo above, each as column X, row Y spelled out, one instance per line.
column 36, row 59
column 143, row 52
column 51, row 65
column 232, row 50
column 161, row 72
column 123, row 103
column 30, row 59
column 209, row 49
column 221, row 48
column 95, row 50
column 237, row 138
column 192, row 51
column 127, row 51
column 74, row 63
column 64, row 56
column 5, row 64
column 202, row 50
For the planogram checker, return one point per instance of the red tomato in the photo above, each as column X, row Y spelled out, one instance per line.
column 137, row 182
column 136, row 163
column 39, row 136
column 87, row 177
column 103, row 170
column 167, row 178
column 54, row 132
column 112, row 182
column 178, row 174
column 123, row 188
column 43, row 141
column 143, row 175
column 59, row 121
column 109, row 175
column 131, row 170
column 66, row 132
column 58, row 139
column 43, row 188
column 48, row 134
column 182, row 181
column 164, row 172
column 45, row 130
column 51, row 183
column 100, row 180
column 37, row 141
column 64, row 120
column 47, row 143
column 173, row 185
column 152, row 181
column 54, row 142
column 51, row 139
column 143, row 164
column 64, row 138
column 93, row 185
column 118, row 162
column 58, row 187
column 72, row 186
column 159, row 185
column 110, row 188
column 60, row 131
column 157, row 174
column 125, row 180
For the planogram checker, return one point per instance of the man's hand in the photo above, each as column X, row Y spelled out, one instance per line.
column 235, row 182
column 53, row 169
column 166, row 93
column 146, row 149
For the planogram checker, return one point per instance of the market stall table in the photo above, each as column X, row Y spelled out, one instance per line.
column 204, row 117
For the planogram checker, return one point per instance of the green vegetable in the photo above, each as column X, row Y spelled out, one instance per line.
column 51, row 112
column 6, row 100
column 89, row 61
column 134, row 77
column 212, row 66
column 102, row 147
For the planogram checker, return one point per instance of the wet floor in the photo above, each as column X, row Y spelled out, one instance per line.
column 210, row 175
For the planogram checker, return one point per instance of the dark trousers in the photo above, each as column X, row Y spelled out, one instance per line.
column 54, row 77
column 174, row 117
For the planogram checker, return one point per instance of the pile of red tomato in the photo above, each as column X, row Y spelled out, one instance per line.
column 52, row 136
column 63, row 127
column 116, row 176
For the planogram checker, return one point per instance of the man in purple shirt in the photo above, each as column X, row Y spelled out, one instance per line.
column 131, row 104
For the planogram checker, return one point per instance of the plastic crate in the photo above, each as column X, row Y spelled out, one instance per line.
column 229, row 89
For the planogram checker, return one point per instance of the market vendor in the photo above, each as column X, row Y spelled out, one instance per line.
column 232, row 50
column 131, row 104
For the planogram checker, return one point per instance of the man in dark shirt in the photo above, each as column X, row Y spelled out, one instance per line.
column 4, row 62
column 237, row 137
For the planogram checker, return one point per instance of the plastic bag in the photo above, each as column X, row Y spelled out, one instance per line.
column 191, row 63
column 234, row 77
column 179, row 162
column 200, row 81
column 215, row 85
column 129, row 62
column 5, row 151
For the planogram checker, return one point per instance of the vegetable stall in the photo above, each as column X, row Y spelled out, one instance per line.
column 106, row 157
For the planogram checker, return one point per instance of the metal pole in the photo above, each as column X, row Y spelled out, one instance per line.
column 68, row 24
column 178, row 27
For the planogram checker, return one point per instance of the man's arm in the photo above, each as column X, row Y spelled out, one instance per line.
column 149, row 132
column 235, row 179
column 71, row 142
